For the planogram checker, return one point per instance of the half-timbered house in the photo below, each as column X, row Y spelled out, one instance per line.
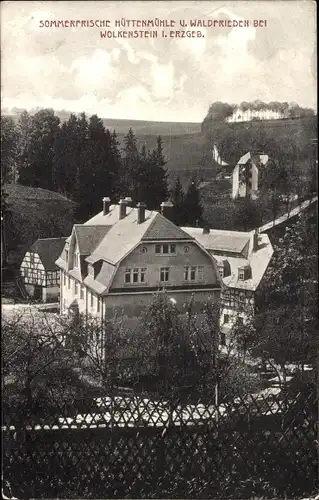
column 40, row 274
column 242, row 259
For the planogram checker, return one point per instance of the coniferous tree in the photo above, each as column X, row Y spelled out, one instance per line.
column 66, row 157
column 130, row 166
column 24, row 126
column 38, row 171
column 9, row 140
column 192, row 205
column 98, row 175
column 157, row 176
column 113, row 163
column 177, row 198
column 142, row 191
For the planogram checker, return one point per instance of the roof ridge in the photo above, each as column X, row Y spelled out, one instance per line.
column 55, row 238
column 247, row 233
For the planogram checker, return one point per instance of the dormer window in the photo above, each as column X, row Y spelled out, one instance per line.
column 244, row 273
column 223, row 268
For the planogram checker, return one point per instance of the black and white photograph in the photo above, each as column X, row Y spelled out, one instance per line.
column 159, row 220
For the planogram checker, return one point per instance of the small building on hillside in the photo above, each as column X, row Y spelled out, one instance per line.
column 39, row 271
column 246, row 175
column 242, row 259
column 116, row 261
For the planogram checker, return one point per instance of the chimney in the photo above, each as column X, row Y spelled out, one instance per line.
column 128, row 200
column 106, row 205
column 206, row 230
column 255, row 240
column 167, row 209
column 122, row 204
column 141, row 212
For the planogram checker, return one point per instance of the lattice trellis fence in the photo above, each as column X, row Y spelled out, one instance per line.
column 142, row 447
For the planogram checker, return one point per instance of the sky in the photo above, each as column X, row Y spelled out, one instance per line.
column 158, row 79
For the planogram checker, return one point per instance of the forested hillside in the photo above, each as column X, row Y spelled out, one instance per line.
column 288, row 137
column 31, row 213
column 78, row 161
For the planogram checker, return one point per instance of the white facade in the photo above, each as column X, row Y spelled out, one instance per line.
column 245, row 177
column 114, row 263
column 251, row 114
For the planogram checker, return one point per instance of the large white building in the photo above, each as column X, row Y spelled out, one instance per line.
column 246, row 174
column 115, row 262
column 240, row 115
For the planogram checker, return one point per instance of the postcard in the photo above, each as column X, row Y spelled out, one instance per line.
column 159, row 244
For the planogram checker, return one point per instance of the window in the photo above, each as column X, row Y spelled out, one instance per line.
column 64, row 279
column 144, row 250
column 31, row 259
column 221, row 271
column 186, row 249
column 135, row 275
column 82, row 292
column 128, row 276
column 92, row 300
column 240, row 321
column 66, row 255
column 200, row 273
column 241, row 274
column 242, row 298
column 193, row 273
column 226, row 318
column 186, row 271
column 164, row 274
column 98, row 304
column 229, row 299
column 165, row 249
column 69, row 282
column 76, row 260
column 76, row 288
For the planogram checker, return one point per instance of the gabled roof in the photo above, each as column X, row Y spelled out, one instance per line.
column 122, row 236
column 244, row 159
column 227, row 244
column 220, row 240
column 258, row 262
column 89, row 236
column 48, row 249
column 263, row 158
column 163, row 229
